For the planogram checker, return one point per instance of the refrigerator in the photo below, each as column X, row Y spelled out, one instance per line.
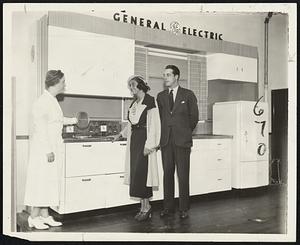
column 247, row 122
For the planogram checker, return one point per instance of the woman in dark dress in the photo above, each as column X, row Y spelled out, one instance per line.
column 143, row 136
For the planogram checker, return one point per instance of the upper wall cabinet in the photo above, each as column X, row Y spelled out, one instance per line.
column 231, row 67
column 94, row 64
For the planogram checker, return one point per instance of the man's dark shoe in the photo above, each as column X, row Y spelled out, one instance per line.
column 166, row 212
column 183, row 214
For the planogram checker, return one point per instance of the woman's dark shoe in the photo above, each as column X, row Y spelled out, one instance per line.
column 137, row 215
column 144, row 215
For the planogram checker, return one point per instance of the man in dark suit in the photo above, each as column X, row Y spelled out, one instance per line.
column 179, row 116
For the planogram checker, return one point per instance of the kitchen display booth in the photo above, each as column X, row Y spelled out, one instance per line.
column 107, row 53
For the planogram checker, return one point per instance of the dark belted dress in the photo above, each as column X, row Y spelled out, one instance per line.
column 139, row 162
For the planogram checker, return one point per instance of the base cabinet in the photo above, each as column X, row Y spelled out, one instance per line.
column 210, row 171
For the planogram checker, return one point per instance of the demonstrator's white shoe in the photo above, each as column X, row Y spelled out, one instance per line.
column 37, row 223
column 50, row 221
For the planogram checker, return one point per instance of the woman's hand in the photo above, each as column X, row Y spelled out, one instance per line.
column 75, row 120
column 147, row 151
column 50, row 157
column 116, row 137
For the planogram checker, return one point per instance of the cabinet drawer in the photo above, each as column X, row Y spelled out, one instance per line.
column 220, row 159
column 84, row 193
column 214, row 144
column 202, row 160
column 210, row 181
column 221, row 180
column 84, row 159
column 94, row 158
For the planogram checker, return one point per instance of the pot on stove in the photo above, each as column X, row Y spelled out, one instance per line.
column 83, row 120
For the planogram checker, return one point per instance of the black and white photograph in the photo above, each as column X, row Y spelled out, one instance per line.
column 149, row 122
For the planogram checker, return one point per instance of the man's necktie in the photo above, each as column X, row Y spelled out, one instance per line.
column 171, row 100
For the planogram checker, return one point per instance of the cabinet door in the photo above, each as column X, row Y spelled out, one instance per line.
column 94, row 64
column 117, row 193
column 85, row 193
column 231, row 67
column 247, row 69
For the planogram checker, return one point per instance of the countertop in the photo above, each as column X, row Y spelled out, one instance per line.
column 212, row 136
column 109, row 139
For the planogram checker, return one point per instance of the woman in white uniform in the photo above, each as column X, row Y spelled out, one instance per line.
column 45, row 155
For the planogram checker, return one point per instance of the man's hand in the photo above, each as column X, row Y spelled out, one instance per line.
column 50, row 157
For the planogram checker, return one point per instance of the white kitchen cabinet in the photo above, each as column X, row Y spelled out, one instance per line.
column 210, row 166
column 231, row 67
column 84, row 193
column 94, row 64
column 92, row 158
column 94, row 174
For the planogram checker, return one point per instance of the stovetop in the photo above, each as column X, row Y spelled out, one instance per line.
column 96, row 130
column 91, row 139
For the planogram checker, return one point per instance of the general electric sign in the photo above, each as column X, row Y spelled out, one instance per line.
column 175, row 27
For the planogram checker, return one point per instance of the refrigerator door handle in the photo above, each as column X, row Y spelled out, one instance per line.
column 246, row 136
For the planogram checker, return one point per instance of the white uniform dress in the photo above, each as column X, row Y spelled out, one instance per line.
column 42, row 183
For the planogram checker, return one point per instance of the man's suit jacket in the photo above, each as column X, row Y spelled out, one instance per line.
column 183, row 118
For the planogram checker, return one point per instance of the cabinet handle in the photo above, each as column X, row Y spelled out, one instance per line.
column 219, row 179
column 123, row 143
column 121, row 176
column 86, row 145
column 89, row 179
column 219, row 159
column 219, row 144
column 246, row 138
